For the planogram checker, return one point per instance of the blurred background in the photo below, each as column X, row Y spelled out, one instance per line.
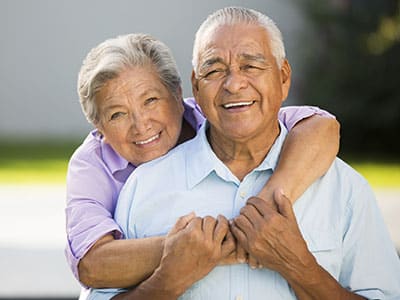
column 345, row 56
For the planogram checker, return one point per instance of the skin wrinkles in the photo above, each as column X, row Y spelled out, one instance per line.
column 246, row 72
column 246, row 61
column 139, row 117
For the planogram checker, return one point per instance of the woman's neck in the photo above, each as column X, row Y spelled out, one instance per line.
column 187, row 132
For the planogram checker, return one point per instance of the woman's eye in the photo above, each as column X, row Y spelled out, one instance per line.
column 116, row 115
column 151, row 100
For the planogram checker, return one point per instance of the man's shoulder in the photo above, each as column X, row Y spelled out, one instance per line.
column 158, row 167
column 344, row 172
column 343, row 183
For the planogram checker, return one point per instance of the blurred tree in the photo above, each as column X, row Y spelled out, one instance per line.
column 354, row 71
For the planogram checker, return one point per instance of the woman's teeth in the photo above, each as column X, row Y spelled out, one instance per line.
column 148, row 140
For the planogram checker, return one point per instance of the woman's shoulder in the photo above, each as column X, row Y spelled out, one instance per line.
column 90, row 149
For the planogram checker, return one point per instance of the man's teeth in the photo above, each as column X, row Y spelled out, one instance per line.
column 148, row 140
column 244, row 103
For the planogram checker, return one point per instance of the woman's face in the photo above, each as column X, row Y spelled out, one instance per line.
column 139, row 117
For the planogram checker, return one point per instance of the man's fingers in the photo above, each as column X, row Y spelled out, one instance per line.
column 208, row 225
column 253, row 262
column 228, row 245
column 182, row 222
column 243, row 223
column 241, row 254
column 239, row 235
column 264, row 207
column 251, row 213
column 194, row 224
column 221, row 229
column 284, row 205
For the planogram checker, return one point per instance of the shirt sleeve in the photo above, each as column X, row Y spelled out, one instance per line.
column 370, row 267
column 90, row 206
column 291, row 115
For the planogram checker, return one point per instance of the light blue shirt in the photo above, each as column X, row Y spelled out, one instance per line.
column 337, row 215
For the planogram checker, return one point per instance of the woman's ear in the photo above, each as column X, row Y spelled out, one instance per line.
column 179, row 98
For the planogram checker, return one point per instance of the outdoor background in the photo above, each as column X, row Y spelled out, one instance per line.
column 345, row 56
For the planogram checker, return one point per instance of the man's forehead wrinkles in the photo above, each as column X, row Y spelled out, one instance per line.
column 258, row 57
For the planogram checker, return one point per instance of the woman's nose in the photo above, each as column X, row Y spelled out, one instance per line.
column 141, row 123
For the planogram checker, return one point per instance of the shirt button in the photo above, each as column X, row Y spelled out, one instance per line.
column 239, row 297
column 242, row 194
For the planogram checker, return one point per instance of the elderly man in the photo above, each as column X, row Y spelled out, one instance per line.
column 332, row 244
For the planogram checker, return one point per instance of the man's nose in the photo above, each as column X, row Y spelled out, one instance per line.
column 235, row 81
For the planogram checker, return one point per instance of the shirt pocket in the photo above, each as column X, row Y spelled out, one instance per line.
column 326, row 247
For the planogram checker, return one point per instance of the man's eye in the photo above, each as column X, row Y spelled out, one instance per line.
column 116, row 115
column 215, row 73
column 248, row 67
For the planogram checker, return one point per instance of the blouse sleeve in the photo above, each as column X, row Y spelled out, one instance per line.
column 91, row 201
column 291, row 115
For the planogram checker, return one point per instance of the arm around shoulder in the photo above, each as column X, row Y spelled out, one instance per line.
column 310, row 148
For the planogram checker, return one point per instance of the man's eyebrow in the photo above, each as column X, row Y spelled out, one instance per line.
column 253, row 57
column 211, row 61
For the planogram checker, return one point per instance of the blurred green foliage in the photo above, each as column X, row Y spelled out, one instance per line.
column 353, row 71
column 46, row 163
column 35, row 162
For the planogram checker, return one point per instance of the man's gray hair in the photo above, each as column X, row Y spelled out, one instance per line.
column 236, row 15
column 110, row 58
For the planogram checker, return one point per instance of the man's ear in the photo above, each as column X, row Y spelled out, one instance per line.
column 286, row 77
column 195, row 84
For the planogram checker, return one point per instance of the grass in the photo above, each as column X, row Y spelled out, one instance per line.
column 39, row 162
column 46, row 163
column 380, row 175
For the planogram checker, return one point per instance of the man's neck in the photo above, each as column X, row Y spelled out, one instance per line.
column 243, row 156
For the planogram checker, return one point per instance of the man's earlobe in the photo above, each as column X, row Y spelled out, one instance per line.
column 286, row 71
column 195, row 84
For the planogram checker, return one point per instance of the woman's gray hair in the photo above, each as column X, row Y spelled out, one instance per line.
column 235, row 15
column 113, row 56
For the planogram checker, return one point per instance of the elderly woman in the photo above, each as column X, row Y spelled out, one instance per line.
column 130, row 90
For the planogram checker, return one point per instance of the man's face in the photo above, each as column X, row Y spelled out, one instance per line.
column 239, row 85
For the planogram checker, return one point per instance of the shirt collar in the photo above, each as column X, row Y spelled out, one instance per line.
column 271, row 160
column 111, row 158
column 201, row 159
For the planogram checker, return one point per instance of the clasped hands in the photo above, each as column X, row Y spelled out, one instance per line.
column 265, row 234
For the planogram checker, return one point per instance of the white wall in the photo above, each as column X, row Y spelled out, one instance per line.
column 43, row 43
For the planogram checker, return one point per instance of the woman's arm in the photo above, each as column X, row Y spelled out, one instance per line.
column 120, row 263
column 96, row 255
column 309, row 150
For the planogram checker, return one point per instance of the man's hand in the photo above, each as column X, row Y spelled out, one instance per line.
column 272, row 236
column 240, row 255
column 192, row 248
